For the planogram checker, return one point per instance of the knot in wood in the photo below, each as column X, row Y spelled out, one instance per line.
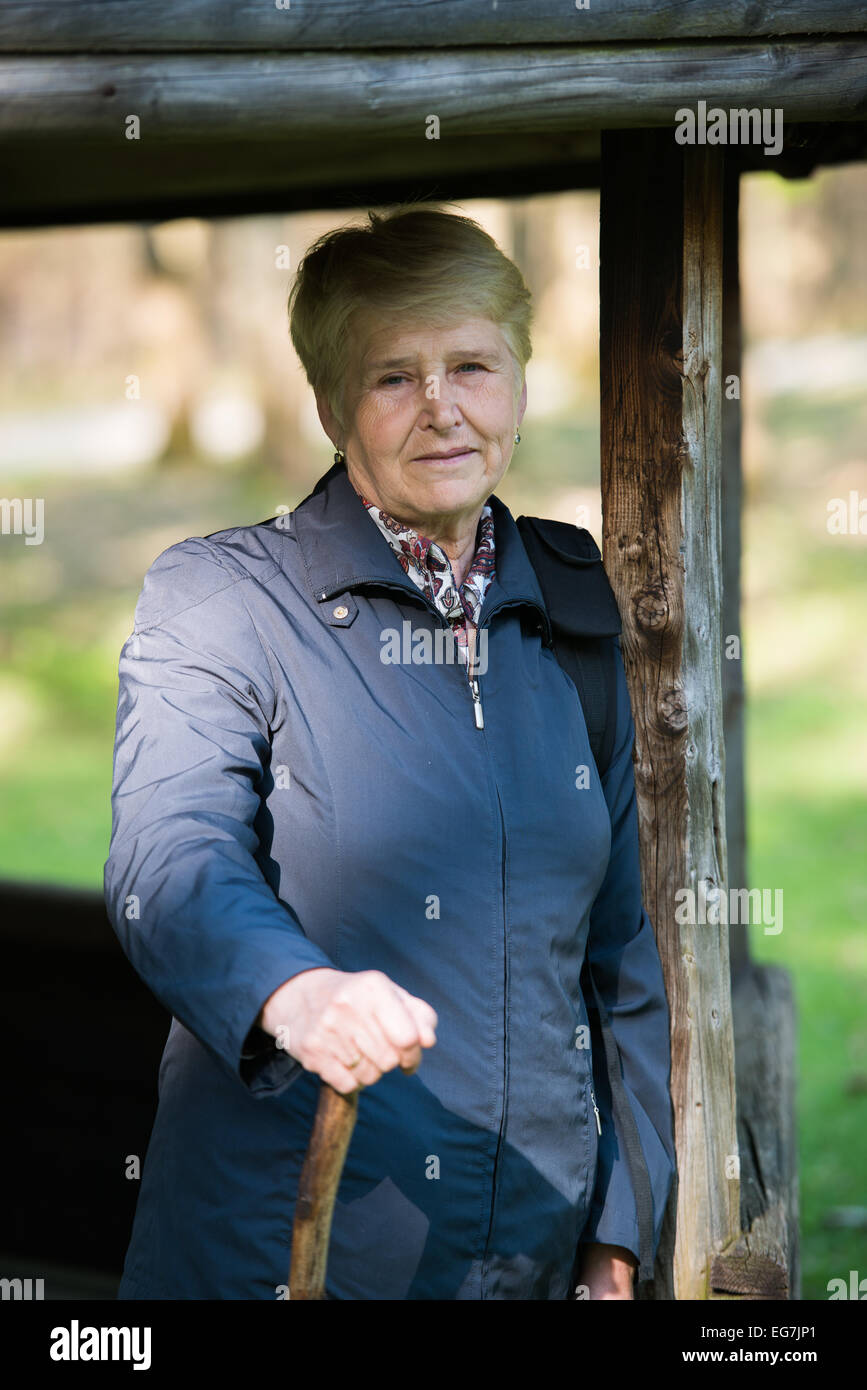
column 630, row 549
column 712, row 895
column 672, row 711
column 651, row 609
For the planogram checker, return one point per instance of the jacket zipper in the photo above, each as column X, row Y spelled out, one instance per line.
column 473, row 681
column 478, row 714
column 479, row 718
column 502, row 1124
column 475, row 692
column 596, row 1111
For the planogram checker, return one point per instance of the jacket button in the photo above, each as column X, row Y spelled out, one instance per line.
column 341, row 612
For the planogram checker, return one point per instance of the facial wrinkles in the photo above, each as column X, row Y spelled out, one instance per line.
column 456, row 416
column 393, row 422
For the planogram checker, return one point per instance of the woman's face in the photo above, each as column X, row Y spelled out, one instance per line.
column 430, row 416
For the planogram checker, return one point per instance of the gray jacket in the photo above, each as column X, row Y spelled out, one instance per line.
column 286, row 798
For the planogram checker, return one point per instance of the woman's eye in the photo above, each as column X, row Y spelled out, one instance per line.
column 395, row 378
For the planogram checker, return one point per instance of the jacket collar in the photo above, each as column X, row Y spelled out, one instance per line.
column 343, row 550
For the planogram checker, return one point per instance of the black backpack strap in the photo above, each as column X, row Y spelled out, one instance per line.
column 585, row 622
column 590, row 666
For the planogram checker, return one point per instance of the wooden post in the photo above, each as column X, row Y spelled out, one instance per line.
column 660, row 358
column 732, row 502
column 764, row 1263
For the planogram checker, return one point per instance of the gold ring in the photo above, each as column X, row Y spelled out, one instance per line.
column 355, row 1063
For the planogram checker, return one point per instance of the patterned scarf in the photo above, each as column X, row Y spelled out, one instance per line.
column 429, row 568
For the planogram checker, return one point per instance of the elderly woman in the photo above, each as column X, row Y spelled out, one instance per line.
column 338, row 858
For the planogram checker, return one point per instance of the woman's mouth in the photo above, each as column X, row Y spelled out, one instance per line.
column 451, row 456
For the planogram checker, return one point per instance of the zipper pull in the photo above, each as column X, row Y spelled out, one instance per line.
column 596, row 1112
column 477, row 703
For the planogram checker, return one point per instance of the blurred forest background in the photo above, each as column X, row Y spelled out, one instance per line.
column 150, row 392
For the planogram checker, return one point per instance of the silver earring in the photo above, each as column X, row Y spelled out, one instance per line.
column 339, row 456
column 517, row 437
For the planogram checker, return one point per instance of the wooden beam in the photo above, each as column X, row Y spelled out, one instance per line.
column 100, row 182
column 224, row 135
column 297, row 98
column 102, row 1100
column 234, row 25
column 660, row 363
column 808, row 145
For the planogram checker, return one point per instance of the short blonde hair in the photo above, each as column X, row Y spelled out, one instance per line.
column 413, row 263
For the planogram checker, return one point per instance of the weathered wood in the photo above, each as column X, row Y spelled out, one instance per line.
column 333, row 1125
column 660, row 362
column 159, row 25
column 222, row 135
column 807, row 145
column 63, row 962
column 764, row 1261
column 158, row 180
column 101, row 183
column 295, row 98
column 731, row 505
column 749, row 1275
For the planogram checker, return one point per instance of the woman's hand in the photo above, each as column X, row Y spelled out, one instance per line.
column 608, row 1270
column 329, row 1018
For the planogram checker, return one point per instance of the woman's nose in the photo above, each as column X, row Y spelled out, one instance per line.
column 439, row 403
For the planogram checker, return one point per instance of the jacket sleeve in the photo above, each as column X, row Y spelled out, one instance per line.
column 628, row 974
column 183, row 887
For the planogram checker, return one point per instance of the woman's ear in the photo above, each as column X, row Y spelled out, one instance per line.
column 522, row 403
column 329, row 420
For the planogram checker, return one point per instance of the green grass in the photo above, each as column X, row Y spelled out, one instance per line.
column 55, row 819
column 809, row 839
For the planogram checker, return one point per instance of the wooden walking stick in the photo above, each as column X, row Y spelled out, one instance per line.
column 317, row 1189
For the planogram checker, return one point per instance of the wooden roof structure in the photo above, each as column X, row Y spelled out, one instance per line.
column 250, row 106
